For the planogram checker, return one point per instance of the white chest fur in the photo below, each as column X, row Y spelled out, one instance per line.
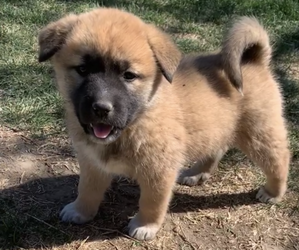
column 111, row 166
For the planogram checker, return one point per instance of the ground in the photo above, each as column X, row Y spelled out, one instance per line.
column 39, row 171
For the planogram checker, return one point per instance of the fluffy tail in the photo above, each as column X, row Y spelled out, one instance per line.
column 245, row 42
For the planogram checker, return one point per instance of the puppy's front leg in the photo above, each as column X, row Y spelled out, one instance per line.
column 156, row 191
column 92, row 186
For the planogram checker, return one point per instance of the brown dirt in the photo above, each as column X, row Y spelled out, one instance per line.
column 39, row 176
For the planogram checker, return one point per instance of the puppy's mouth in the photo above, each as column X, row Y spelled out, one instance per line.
column 102, row 131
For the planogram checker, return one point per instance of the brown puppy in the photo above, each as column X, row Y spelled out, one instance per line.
column 124, row 117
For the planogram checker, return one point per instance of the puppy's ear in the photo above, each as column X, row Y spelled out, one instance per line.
column 166, row 52
column 53, row 36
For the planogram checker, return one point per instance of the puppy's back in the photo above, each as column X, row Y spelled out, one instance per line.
column 206, row 84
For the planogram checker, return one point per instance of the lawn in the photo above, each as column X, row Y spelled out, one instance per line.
column 38, row 170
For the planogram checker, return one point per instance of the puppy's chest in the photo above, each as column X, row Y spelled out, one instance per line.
column 118, row 167
column 110, row 161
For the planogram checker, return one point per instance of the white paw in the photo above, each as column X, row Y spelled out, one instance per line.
column 185, row 179
column 70, row 214
column 263, row 196
column 146, row 232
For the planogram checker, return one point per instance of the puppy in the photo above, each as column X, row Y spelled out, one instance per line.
column 125, row 118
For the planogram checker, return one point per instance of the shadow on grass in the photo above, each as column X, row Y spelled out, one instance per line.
column 286, row 50
column 286, row 44
column 29, row 212
column 285, row 60
column 290, row 89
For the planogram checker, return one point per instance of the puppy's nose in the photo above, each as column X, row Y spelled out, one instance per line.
column 102, row 108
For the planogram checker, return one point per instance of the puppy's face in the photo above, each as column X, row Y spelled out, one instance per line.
column 108, row 64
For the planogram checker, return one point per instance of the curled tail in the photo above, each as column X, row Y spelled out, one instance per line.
column 245, row 42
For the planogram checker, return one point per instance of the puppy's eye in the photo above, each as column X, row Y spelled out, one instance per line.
column 129, row 76
column 82, row 70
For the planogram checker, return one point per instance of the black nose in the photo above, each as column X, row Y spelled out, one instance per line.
column 102, row 108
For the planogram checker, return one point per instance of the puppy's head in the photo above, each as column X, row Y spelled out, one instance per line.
column 108, row 64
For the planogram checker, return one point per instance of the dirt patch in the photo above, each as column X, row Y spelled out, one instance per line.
column 38, row 177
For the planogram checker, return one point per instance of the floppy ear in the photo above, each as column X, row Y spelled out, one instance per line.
column 52, row 37
column 166, row 52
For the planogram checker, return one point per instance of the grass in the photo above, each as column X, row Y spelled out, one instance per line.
column 30, row 103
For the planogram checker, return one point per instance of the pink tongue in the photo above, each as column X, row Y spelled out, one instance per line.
column 102, row 130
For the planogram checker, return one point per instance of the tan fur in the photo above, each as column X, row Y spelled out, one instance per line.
column 196, row 118
column 246, row 41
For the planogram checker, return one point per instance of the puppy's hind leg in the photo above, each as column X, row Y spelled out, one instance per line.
column 201, row 170
column 267, row 146
column 92, row 186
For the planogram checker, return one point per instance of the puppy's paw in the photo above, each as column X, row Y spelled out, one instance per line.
column 142, row 232
column 192, row 180
column 264, row 197
column 70, row 213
